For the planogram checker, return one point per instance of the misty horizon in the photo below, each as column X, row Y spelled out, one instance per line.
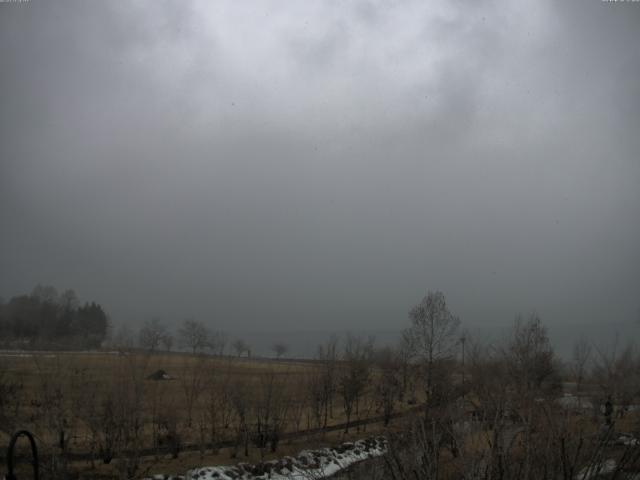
column 320, row 167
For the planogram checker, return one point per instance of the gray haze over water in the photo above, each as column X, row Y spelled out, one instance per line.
column 318, row 166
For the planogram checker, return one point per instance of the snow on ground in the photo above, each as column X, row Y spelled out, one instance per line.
column 576, row 403
column 309, row 464
column 627, row 439
column 594, row 471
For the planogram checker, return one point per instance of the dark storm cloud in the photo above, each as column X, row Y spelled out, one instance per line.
column 291, row 165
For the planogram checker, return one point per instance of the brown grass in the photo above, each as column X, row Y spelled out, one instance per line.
column 88, row 377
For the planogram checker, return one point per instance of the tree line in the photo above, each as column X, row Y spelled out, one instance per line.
column 48, row 319
column 191, row 335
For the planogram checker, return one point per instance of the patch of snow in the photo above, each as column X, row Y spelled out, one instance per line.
column 309, row 464
column 574, row 402
column 594, row 471
column 626, row 439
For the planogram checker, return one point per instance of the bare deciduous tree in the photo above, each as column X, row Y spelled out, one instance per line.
column 194, row 335
column 433, row 336
column 270, row 406
column 193, row 383
column 240, row 399
column 218, row 343
column 579, row 361
column 354, row 374
column 405, row 353
column 279, row 349
column 167, row 342
column 387, row 385
column 219, row 408
column 240, row 347
column 317, row 398
column 618, row 374
column 533, row 376
column 151, row 334
column 327, row 357
column 530, row 357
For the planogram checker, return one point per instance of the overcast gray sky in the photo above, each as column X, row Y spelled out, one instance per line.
column 304, row 165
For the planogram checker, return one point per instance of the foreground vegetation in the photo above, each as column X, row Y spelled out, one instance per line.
column 112, row 408
column 450, row 407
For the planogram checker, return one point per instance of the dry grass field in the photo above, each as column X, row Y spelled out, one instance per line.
column 103, row 415
column 100, row 415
